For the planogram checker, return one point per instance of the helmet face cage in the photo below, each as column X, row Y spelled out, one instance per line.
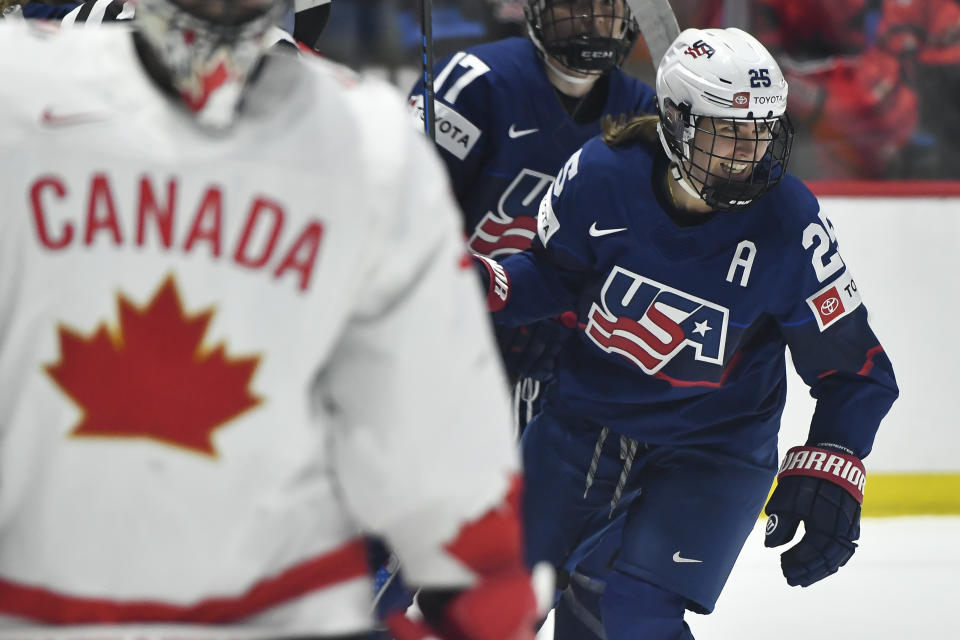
column 209, row 49
column 588, row 36
column 729, row 162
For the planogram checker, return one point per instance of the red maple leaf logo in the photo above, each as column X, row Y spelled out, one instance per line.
column 152, row 378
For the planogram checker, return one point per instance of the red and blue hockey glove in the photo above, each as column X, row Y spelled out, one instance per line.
column 531, row 351
column 495, row 281
column 823, row 487
column 502, row 604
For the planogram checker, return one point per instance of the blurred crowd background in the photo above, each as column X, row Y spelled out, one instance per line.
column 874, row 84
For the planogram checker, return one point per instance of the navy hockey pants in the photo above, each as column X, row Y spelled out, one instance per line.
column 678, row 520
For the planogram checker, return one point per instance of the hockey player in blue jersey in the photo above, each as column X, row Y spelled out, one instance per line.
column 693, row 259
column 509, row 114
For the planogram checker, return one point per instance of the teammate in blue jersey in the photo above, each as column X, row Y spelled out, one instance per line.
column 692, row 259
column 50, row 10
column 509, row 114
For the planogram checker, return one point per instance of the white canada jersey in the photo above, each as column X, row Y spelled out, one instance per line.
column 222, row 356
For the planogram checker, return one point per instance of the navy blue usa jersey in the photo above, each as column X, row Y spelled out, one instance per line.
column 683, row 327
column 504, row 134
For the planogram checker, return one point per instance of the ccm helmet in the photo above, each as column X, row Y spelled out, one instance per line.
column 588, row 36
column 209, row 49
column 722, row 100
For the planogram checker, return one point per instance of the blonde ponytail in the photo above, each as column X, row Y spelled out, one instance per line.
column 622, row 130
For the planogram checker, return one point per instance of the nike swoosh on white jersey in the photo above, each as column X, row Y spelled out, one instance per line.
column 53, row 119
column 513, row 133
column 596, row 233
column 678, row 558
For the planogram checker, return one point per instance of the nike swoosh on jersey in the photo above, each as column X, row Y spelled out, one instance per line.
column 50, row 118
column 678, row 558
column 596, row 233
column 513, row 133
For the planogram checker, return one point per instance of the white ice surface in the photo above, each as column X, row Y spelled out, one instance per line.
column 902, row 583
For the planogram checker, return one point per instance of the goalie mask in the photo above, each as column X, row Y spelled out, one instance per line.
column 588, row 36
column 209, row 49
column 723, row 123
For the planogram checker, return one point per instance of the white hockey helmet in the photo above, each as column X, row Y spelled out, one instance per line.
column 713, row 77
column 209, row 49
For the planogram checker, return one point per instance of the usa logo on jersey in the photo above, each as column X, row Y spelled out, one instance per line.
column 512, row 227
column 650, row 323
